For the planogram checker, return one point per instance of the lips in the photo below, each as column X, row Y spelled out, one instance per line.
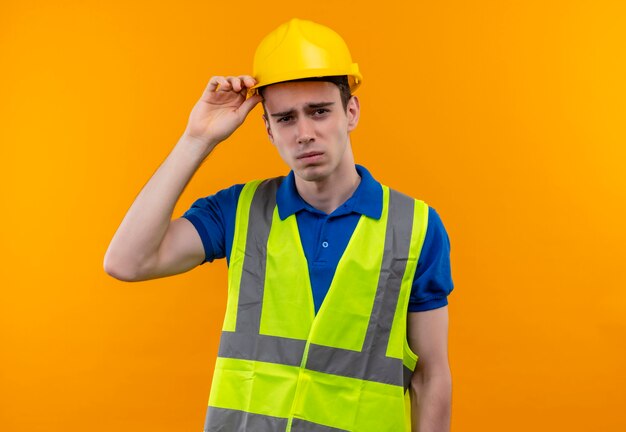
column 310, row 155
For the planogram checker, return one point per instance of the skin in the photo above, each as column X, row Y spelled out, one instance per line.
column 431, row 383
column 310, row 129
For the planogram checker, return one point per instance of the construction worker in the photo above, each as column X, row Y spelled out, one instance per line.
column 336, row 317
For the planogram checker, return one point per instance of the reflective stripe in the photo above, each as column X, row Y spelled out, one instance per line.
column 228, row 420
column 271, row 349
column 372, row 363
column 253, row 273
column 299, row 425
column 355, row 364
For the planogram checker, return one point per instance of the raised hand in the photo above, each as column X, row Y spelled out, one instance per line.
column 222, row 108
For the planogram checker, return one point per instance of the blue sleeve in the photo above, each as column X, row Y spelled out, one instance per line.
column 433, row 278
column 214, row 219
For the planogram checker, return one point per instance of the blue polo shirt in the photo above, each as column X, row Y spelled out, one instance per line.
column 325, row 236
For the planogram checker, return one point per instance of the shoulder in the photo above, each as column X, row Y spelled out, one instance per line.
column 421, row 209
column 431, row 215
column 223, row 203
column 435, row 224
column 214, row 218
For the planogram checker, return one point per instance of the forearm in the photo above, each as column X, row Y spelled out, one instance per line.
column 431, row 402
column 142, row 230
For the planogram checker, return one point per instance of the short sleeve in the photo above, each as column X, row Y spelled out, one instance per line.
column 433, row 277
column 214, row 219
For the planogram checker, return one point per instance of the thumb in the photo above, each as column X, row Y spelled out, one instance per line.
column 247, row 105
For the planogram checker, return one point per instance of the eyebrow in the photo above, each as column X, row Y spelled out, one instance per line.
column 310, row 106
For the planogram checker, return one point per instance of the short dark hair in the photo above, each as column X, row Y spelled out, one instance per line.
column 340, row 81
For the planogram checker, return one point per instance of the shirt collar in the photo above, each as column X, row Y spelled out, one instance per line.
column 367, row 199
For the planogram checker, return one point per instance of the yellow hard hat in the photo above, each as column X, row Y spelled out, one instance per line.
column 303, row 49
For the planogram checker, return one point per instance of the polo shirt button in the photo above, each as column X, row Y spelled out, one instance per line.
column 325, row 244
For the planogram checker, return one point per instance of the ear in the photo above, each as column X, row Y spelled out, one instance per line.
column 353, row 111
column 268, row 128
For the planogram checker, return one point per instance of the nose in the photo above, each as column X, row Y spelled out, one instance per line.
column 305, row 131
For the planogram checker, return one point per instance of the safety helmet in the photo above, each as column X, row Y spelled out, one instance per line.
column 303, row 49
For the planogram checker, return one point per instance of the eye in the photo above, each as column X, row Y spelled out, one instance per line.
column 321, row 111
column 284, row 119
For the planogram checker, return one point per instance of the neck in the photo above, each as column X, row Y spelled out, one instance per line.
column 330, row 192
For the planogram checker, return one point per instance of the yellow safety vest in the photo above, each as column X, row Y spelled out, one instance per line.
column 281, row 367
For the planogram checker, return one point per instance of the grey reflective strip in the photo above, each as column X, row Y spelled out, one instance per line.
column 228, row 420
column 372, row 363
column 272, row 349
column 253, row 271
column 355, row 364
column 299, row 425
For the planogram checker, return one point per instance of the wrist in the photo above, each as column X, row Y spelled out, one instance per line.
column 194, row 147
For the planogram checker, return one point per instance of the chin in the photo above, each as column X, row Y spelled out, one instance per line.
column 311, row 173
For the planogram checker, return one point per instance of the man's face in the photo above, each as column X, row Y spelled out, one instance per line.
column 310, row 128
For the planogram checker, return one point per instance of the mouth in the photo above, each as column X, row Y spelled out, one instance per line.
column 310, row 156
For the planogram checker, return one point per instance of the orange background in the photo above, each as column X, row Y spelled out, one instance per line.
column 508, row 117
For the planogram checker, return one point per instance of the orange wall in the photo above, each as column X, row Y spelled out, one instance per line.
column 508, row 117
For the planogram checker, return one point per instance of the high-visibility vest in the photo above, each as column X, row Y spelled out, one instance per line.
column 280, row 366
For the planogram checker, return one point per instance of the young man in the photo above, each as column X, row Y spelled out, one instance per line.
column 336, row 282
